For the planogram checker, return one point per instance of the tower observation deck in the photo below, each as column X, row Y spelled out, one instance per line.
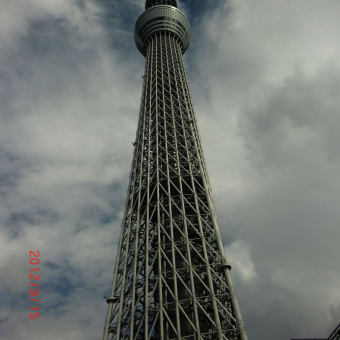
column 171, row 278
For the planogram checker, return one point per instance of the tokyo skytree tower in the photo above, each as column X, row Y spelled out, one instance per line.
column 171, row 278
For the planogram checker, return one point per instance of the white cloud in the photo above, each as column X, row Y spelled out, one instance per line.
column 68, row 118
column 16, row 16
column 239, row 255
column 269, row 121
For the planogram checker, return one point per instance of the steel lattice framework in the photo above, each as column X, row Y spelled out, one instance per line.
column 171, row 278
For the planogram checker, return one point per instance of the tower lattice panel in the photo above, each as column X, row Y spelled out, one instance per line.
column 171, row 279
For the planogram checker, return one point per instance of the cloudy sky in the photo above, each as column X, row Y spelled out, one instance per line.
column 265, row 80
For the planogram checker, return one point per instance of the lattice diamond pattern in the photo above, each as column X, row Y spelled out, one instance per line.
column 171, row 279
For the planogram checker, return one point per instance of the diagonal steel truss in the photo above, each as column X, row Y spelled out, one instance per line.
column 171, row 279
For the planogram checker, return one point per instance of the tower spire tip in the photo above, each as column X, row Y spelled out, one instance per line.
column 151, row 3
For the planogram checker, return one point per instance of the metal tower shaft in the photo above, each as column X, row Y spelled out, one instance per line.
column 171, row 279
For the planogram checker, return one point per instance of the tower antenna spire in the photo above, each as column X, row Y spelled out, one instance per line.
column 151, row 3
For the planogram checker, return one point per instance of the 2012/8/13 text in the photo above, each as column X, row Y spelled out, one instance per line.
column 34, row 278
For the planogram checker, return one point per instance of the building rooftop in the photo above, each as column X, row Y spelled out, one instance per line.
column 335, row 335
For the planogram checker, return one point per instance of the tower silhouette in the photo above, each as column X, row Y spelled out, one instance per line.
column 171, row 278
